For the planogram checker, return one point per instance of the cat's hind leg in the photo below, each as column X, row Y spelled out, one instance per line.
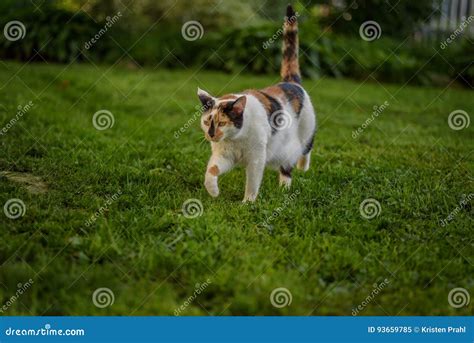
column 285, row 176
column 304, row 161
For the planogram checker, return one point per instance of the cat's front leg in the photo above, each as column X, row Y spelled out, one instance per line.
column 216, row 166
column 254, row 171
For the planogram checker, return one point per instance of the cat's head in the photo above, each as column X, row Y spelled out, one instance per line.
column 222, row 118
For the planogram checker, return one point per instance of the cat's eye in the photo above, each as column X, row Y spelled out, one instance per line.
column 206, row 122
column 222, row 123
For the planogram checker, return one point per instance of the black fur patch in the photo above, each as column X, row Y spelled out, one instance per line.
column 290, row 12
column 309, row 144
column 212, row 129
column 286, row 171
column 236, row 118
column 274, row 106
column 294, row 94
column 207, row 102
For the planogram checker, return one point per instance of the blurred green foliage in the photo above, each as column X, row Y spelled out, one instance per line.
column 397, row 18
column 59, row 30
column 52, row 33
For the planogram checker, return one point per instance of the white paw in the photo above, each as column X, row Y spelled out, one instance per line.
column 249, row 198
column 211, row 186
column 285, row 181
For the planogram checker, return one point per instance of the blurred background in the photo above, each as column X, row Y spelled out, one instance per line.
column 101, row 150
column 423, row 42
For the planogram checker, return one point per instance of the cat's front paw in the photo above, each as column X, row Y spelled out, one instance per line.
column 211, row 186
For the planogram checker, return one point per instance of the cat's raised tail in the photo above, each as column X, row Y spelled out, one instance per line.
column 290, row 68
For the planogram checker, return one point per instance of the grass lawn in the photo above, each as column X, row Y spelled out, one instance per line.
column 136, row 175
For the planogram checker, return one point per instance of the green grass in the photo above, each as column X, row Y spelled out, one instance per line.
column 151, row 256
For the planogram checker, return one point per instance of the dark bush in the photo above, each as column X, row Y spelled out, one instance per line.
column 52, row 34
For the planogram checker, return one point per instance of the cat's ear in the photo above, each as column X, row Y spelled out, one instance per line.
column 238, row 106
column 206, row 99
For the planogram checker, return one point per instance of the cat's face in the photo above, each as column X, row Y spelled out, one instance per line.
column 221, row 118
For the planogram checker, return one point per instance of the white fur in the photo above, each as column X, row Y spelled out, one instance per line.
column 254, row 146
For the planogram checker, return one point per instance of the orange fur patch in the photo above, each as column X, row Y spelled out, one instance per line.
column 275, row 92
column 214, row 170
column 228, row 97
column 262, row 98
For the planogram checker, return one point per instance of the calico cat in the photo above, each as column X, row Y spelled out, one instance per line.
column 272, row 127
